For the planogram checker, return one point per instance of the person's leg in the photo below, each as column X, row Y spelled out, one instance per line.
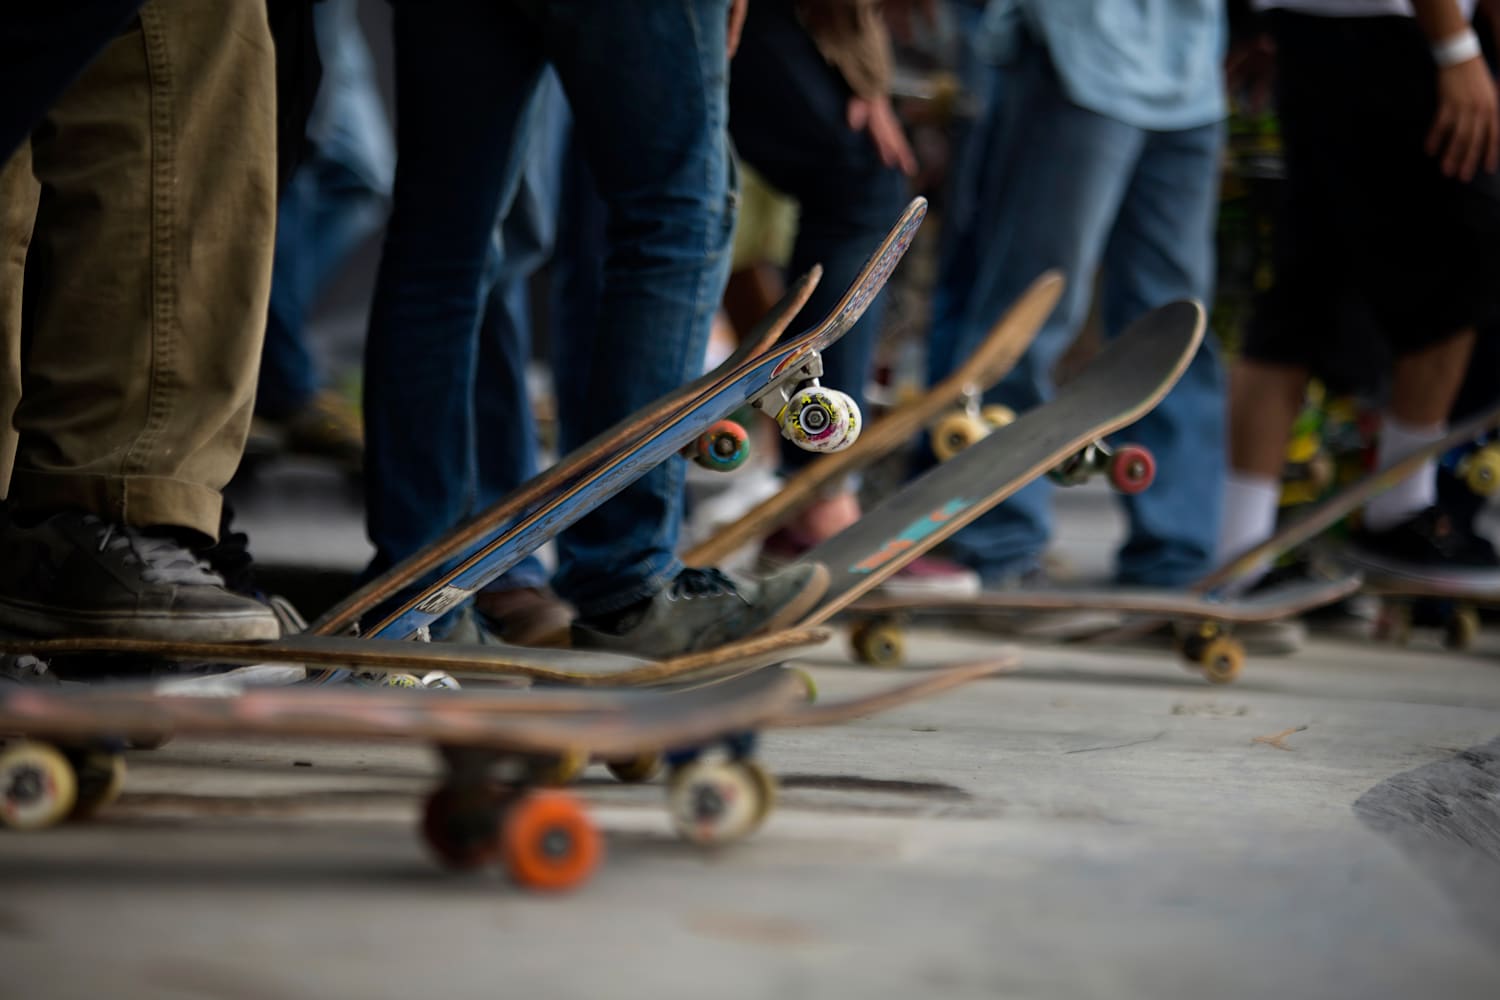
column 335, row 201
column 656, row 147
column 1161, row 250
column 1424, row 385
column 146, row 285
column 1033, row 215
column 517, row 606
column 1480, row 391
column 19, row 193
column 788, row 117
column 456, row 161
column 653, row 134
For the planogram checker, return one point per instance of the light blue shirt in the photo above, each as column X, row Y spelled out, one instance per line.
column 1153, row 64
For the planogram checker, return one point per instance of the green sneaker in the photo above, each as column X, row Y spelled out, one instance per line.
column 705, row 608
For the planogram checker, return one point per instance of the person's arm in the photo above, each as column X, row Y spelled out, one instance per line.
column 853, row 38
column 1465, row 133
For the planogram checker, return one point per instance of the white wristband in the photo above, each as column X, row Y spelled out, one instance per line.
column 1456, row 49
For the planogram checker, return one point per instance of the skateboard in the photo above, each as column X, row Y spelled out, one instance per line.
column 1210, row 646
column 781, row 380
column 994, row 358
column 561, row 667
column 1321, row 516
column 1125, row 381
column 497, row 749
column 1407, row 604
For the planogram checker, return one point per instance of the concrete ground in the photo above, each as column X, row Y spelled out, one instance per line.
column 1100, row 823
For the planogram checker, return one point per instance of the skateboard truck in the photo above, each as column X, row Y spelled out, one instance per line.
column 971, row 423
column 810, row 416
column 1130, row 467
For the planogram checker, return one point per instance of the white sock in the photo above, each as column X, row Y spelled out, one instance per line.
column 1416, row 492
column 1250, row 504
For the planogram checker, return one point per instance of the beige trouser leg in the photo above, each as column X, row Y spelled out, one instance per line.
column 149, row 270
column 18, row 196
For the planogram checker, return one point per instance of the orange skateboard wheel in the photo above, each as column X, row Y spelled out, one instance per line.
column 549, row 842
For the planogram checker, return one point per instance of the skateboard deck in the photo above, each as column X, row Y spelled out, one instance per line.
column 999, row 352
column 514, row 528
column 1407, row 603
column 877, row 638
column 1127, row 379
column 496, row 747
column 1322, row 516
column 563, row 667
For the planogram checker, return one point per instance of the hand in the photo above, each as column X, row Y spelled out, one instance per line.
column 1466, row 131
column 737, row 10
column 899, row 14
column 1251, row 68
column 878, row 118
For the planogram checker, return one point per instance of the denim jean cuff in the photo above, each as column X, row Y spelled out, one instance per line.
column 644, row 579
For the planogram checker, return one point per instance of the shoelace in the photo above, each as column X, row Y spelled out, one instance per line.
column 165, row 561
column 694, row 583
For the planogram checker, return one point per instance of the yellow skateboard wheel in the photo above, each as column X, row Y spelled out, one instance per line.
column 37, row 787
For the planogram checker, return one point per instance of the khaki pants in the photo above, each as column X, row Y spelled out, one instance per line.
column 140, row 222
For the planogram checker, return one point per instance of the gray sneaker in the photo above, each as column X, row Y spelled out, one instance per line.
column 75, row 574
column 704, row 608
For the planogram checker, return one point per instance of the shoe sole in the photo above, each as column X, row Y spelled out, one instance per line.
column 177, row 627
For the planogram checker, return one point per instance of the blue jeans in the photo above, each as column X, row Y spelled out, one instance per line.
column 335, row 201
column 523, row 242
column 788, row 118
column 1056, row 185
column 646, row 81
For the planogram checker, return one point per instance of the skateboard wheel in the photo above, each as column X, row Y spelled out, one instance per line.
column 1131, row 469
column 996, row 416
column 1461, row 629
column 1481, row 471
column 714, row 803
column 878, row 643
column 724, row 447
column 400, row 681
column 549, row 842
column 461, row 823
column 1222, row 659
column 765, row 784
column 818, row 419
column 956, row 432
column 100, row 776
column 636, row 769
column 439, row 680
column 564, row 769
column 37, row 787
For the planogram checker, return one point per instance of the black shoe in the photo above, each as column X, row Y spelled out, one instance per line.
column 75, row 574
column 1430, row 548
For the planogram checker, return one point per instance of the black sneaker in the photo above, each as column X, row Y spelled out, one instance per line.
column 704, row 608
column 75, row 574
column 1428, row 548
